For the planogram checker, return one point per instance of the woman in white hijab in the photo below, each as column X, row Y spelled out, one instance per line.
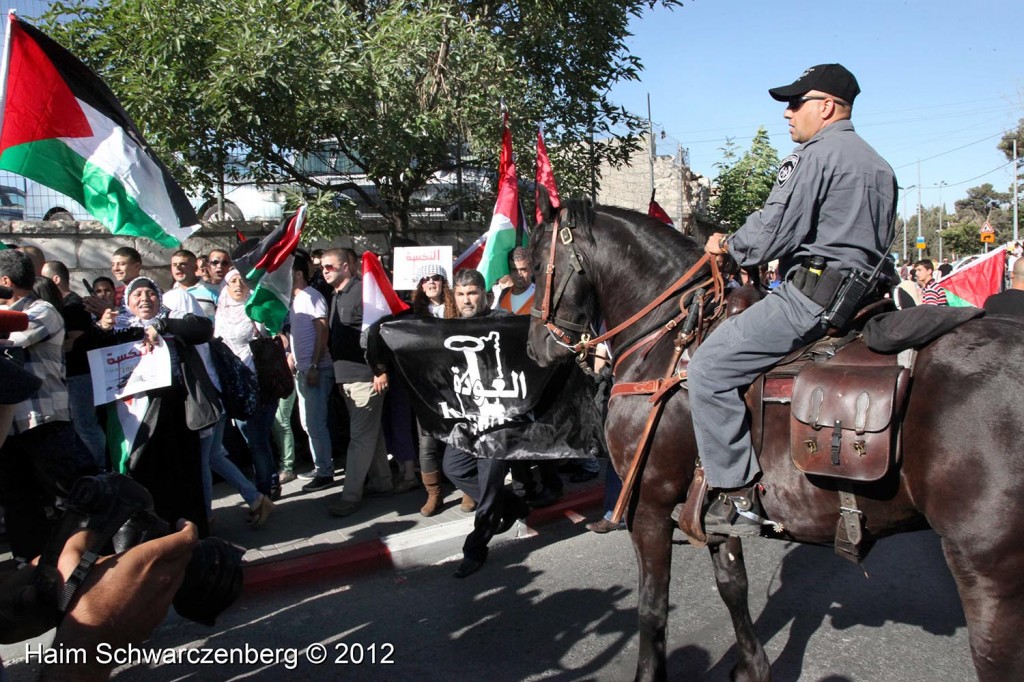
column 236, row 329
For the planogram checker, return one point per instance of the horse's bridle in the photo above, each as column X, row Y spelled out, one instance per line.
column 557, row 326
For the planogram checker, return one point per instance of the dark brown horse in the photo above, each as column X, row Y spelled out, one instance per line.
column 961, row 473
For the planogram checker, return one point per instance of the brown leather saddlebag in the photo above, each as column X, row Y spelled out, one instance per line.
column 843, row 422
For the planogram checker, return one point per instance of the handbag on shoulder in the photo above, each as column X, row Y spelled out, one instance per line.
column 239, row 389
column 275, row 379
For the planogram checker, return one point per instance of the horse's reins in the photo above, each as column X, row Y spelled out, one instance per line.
column 692, row 304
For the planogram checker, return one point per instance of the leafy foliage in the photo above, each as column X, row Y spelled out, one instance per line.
column 405, row 88
column 744, row 184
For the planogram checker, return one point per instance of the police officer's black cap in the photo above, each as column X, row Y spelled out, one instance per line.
column 833, row 79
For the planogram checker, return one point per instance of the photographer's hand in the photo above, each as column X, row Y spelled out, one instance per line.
column 123, row 598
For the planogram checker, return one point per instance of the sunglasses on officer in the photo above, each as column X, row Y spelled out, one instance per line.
column 795, row 103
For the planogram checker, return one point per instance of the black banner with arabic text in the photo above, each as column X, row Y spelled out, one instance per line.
column 473, row 385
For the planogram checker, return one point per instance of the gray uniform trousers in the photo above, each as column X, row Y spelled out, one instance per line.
column 727, row 362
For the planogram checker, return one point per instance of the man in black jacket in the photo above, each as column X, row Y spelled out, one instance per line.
column 367, row 459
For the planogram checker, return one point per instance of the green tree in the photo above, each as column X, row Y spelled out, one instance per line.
column 743, row 183
column 405, row 88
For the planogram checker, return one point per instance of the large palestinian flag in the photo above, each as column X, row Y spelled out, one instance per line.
column 62, row 127
column 973, row 283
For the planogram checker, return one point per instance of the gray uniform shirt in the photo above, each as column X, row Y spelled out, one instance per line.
column 834, row 197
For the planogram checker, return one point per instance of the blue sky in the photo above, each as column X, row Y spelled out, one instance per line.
column 940, row 80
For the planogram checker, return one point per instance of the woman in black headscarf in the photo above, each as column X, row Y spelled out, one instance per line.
column 163, row 455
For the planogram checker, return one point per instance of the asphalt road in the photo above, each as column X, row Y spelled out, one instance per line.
column 561, row 606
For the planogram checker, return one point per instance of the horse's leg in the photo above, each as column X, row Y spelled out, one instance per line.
column 652, row 541
column 994, row 608
column 731, row 577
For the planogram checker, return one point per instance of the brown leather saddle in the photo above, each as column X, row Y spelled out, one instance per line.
column 846, row 404
column 846, row 408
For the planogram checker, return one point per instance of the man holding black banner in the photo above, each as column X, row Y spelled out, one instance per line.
column 483, row 479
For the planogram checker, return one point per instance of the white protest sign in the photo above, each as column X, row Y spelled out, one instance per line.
column 127, row 369
column 409, row 259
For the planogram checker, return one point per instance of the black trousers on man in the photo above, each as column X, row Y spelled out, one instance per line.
column 484, row 480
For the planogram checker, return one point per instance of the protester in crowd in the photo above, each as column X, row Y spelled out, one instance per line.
column 366, row 461
column 105, row 290
column 317, row 281
column 36, row 255
column 518, row 299
column 433, row 297
column 484, row 478
column 945, row 268
column 612, row 489
column 217, row 265
column 1011, row 301
column 931, row 294
column 125, row 265
column 37, row 461
column 91, row 447
column 203, row 267
column 281, row 429
column 165, row 455
column 236, row 329
column 183, row 272
column 314, row 373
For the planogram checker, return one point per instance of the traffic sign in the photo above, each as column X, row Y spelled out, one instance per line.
column 988, row 237
column 919, row 243
column 987, row 228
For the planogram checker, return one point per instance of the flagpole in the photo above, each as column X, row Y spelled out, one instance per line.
column 11, row 16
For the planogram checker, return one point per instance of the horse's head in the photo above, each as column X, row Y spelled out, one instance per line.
column 565, row 300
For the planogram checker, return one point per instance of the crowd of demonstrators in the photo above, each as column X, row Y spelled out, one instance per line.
column 181, row 442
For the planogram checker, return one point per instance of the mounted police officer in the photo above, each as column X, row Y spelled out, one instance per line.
column 829, row 213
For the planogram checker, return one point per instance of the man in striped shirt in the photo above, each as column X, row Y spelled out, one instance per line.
column 931, row 294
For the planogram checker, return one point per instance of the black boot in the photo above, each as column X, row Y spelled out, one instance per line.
column 734, row 512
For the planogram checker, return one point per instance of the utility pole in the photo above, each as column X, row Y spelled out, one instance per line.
column 919, row 202
column 1015, row 183
column 906, row 192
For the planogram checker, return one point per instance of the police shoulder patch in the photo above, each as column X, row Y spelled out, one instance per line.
column 786, row 169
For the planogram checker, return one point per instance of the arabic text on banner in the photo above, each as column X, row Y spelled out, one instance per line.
column 124, row 370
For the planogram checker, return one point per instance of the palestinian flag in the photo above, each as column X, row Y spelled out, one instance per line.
column 545, row 176
column 470, row 258
column 268, row 269
column 379, row 297
column 973, row 283
column 507, row 229
column 62, row 127
column 124, row 423
column 655, row 211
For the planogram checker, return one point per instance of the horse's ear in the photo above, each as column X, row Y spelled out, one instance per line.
column 547, row 211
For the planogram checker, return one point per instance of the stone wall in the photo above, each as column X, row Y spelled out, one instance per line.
column 86, row 246
column 682, row 193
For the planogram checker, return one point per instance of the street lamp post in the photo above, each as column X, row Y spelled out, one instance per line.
column 906, row 191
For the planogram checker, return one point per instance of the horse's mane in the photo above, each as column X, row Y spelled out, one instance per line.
column 660, row 237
